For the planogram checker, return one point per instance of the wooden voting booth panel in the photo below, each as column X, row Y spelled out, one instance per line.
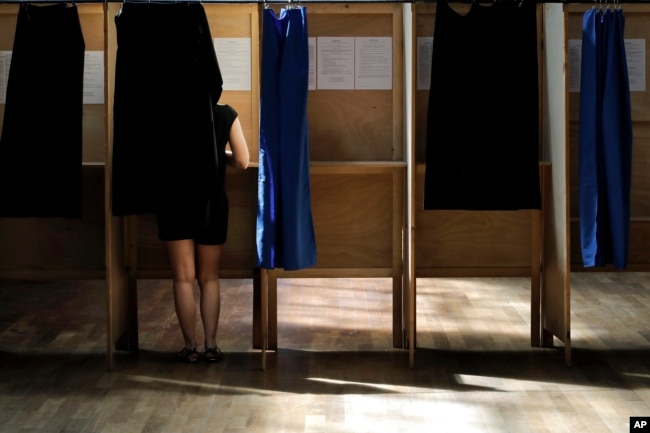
column 359, row 151
column 61, row 248
column 637, row 34
column 497, row 243
column 352, row 241
column 556, row 284
column 132, row 248
column 358, row 169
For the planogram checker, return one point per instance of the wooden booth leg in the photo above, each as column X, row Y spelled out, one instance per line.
column 264, row 312
column 257, row 308
column 547, row 338
column 398, row 313
column 411, row 323
column 536, row 280
column 129, row 340
column 272, row 311
column 265, row 289
column 264, row 309
column 537, row 261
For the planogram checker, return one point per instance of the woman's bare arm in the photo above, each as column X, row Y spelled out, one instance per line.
column 238, row 156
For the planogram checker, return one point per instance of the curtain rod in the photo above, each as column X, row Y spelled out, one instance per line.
column 300, row 2
column 304, row 2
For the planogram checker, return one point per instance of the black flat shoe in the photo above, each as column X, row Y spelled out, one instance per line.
column 213, row 354
column 188, row 355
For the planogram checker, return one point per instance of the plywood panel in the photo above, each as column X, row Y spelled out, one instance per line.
column 358, row 125
column 356, row 210
column 91, row 17
column 240, row 21
column 351, row 125
column 353, row 219
column 465, row 239
column 58, row 247
column 118, row 317
column 556, row 280
column 8, row 16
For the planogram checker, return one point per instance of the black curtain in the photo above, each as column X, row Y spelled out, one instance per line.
column 167, row 79
column 483, row 117
column 41, row 144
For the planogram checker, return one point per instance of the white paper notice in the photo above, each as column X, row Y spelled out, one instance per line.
column 636, row 64
column 93, row 92
column 575, row 59
column 335, row 62
column 5, row 62
column 424, row 57
column 311, row 44
column 234, row 56
column 373, row 63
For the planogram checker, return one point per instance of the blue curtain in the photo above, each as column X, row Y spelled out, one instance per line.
column 605, row 140
column 285, row 233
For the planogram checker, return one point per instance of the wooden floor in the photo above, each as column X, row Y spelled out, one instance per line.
column 335, row 369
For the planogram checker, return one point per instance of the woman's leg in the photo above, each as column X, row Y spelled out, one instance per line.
column 181, row 255
column 209, row 257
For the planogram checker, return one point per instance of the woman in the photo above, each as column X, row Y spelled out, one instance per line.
column 195, row 235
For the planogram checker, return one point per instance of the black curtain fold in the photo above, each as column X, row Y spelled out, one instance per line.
column 41, row 143
column 483, row 117
column 167, row 79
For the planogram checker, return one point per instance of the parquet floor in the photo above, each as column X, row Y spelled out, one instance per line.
column 335, row 369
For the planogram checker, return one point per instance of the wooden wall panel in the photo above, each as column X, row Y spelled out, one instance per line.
column 92, row 25
column 348, row 125
column 48, row 248
column 8, row 16
column 358, row 125
column 556, row 290
column 120, row 323
column 353, row 219
column 240, row 21
column 451, row 241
